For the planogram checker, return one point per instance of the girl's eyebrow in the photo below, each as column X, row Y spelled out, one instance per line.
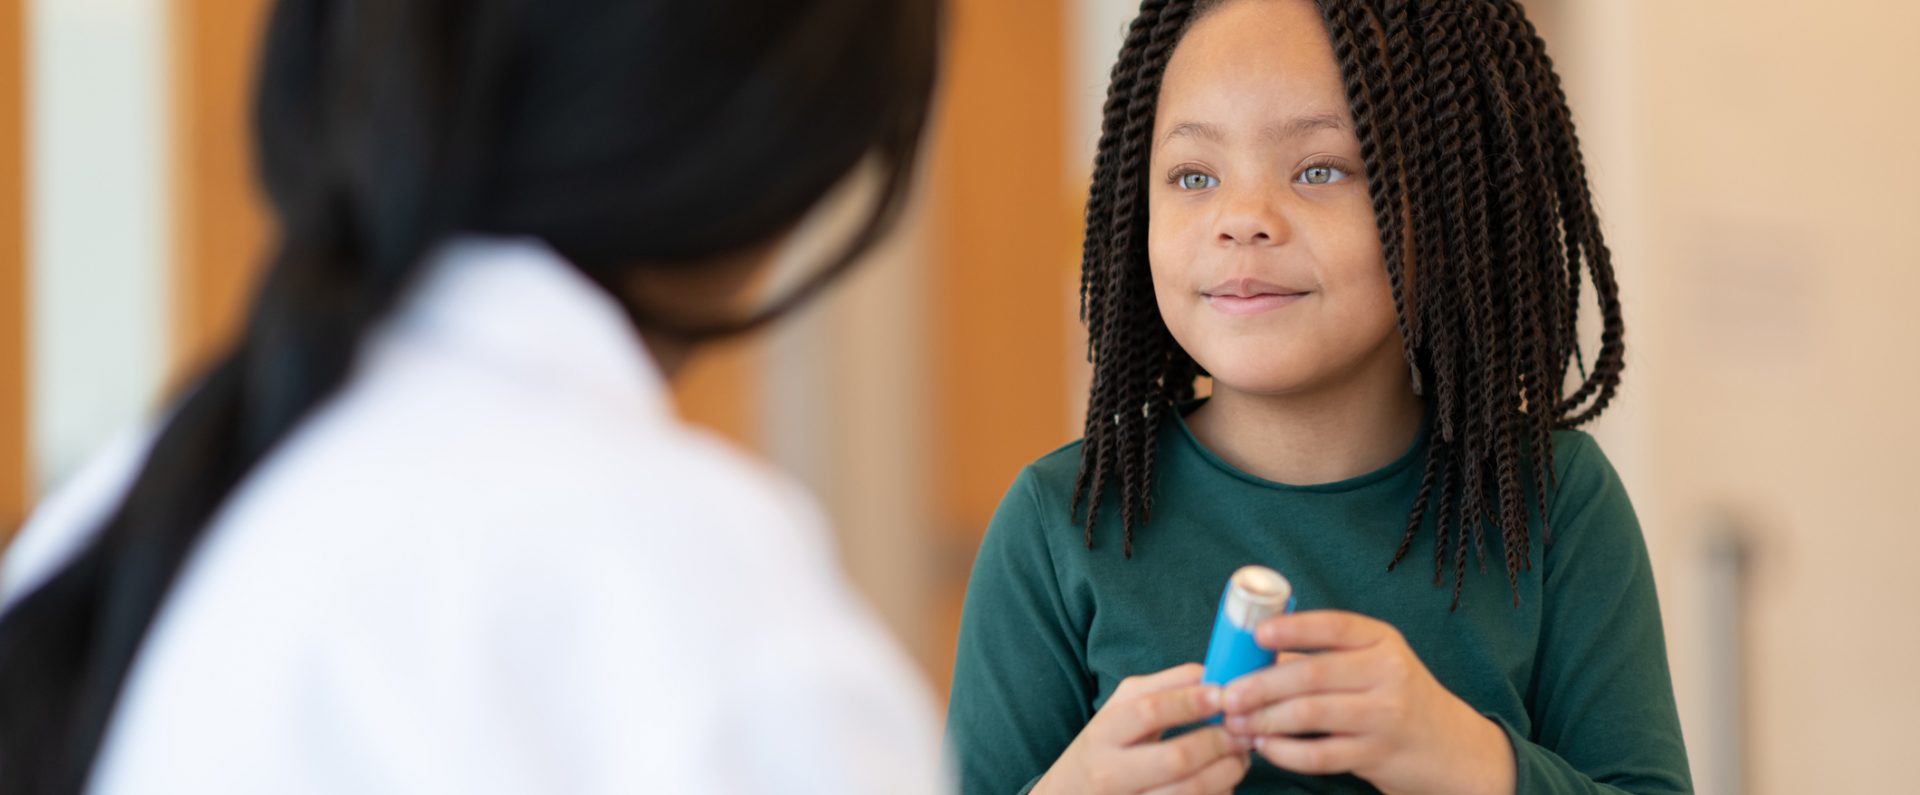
column 1277, row 133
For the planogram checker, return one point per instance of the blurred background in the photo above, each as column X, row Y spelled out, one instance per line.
column 1755, row 162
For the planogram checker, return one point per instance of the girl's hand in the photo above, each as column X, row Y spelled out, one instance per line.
column 1120, row 751
column 1371, row 707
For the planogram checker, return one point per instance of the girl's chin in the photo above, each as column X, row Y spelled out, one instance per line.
column 1264, row 384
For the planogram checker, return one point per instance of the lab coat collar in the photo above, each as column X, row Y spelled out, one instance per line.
column 516, row 304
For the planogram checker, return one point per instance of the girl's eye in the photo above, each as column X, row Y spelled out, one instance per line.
column 1194, row 180
column 1322, row 175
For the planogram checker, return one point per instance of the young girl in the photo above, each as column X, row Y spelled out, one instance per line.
column 1368, row 223
column 432, row 526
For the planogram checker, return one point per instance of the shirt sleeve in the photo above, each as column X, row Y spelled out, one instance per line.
column 1604, row 718
column 1020, row 688
column 838, row 722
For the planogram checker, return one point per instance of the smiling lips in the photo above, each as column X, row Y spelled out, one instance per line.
column 1250, row 296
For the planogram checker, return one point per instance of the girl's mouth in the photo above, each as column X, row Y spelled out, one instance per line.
column 1250, row 296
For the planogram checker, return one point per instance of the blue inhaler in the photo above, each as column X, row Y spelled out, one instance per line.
column 1254, row 594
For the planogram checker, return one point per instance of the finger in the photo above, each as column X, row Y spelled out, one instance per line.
column 1280, row 658
column 1342, row 713
column 1177, row 676
column 1323, row 756
column 1172, row 761
column 1218, row 778
column 1146, row 716
column 1303, row 674
column 1322, row 629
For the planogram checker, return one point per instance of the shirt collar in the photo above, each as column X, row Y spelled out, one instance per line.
column 517, row 305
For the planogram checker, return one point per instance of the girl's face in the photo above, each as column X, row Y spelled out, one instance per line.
column 1266, row 259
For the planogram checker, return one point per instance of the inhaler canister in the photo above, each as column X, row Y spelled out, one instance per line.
column 1254, row 594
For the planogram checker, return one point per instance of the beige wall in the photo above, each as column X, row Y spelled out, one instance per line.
column 1758, row 169
column 1785, row 184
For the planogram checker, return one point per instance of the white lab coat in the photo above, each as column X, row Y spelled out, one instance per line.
column 497, row 562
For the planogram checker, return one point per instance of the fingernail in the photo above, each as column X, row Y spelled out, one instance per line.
column 1243, row 742
column 1237, row 724
column 1212, row 698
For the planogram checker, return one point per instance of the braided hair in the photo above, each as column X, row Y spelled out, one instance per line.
column 628, row 136
column 1476, row 178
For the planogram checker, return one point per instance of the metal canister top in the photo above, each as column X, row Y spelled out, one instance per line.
column 1255, row 594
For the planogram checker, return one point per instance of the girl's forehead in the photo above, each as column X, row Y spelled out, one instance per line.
column 1253, row 63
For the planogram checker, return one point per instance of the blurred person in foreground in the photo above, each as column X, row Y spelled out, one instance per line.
column 431, row 524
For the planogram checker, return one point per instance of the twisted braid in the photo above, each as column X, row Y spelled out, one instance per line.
column 1374, row 88
column 1465, row 260
column 1530, row 195
column 1583, row 238
column 1520, row 298
column 1138, row 368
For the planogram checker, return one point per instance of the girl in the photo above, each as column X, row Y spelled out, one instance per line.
column 431, row 525
column 1368, row 222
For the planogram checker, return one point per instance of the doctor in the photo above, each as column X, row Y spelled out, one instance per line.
column 431, row 524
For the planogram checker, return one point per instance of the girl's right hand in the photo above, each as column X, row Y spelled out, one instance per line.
column 1120, row 751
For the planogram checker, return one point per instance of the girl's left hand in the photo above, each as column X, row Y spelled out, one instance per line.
column 1383, row 716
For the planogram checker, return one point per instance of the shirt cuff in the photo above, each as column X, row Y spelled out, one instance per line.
column 1522, row 767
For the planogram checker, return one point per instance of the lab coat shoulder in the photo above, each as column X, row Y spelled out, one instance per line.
column 676, row 604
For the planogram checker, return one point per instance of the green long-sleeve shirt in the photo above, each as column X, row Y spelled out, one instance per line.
column 1577, row 674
